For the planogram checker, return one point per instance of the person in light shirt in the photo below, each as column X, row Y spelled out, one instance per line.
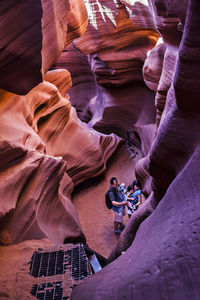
column 134, row 197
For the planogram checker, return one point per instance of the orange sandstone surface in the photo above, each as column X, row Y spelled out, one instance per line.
column 89, row 90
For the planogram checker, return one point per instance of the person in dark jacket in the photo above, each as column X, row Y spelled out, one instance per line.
column 118, row 203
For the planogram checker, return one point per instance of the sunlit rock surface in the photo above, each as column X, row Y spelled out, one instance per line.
column 169, row 20
column 66, row 136
column 153, row 66
column 118, row 36
column 28, row 184
column 40, row 166
column 162, row 260
column 54, row 141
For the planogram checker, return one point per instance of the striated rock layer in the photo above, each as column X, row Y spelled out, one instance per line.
column 118, row 37
column 40, row 167
column 28, row 183
column 47, row 151
column 162, row 237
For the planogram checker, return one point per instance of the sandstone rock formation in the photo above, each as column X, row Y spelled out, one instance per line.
column 31, row 151
column 33, row 36
column 118, row 36
column 64, row 133
column 163, row 250
column 84, row 82
column 34, row 153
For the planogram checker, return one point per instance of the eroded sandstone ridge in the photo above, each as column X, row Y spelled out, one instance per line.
column 34, row 33
column 44, row 147
column 162, row 260
column 117, row 38
column 122, row 99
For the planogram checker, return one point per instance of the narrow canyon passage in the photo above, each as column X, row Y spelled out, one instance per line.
column 89, row 199
column 89, row 90
column 130, row 108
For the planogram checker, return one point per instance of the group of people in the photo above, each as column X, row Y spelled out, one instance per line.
column 120, row 196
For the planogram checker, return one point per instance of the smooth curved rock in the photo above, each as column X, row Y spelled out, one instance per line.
column 164, row 248
column 62, row 21
column 170, row 19
column 27, row 31
column 36, row 154
column 28, row 184
column 119, row 35
column 153, row 66
column 162, row 253
column 84, row 86
column 157, row 255
column 66, row 136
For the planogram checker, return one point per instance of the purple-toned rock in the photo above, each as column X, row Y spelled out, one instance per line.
column 160, row 245
column 27, row 31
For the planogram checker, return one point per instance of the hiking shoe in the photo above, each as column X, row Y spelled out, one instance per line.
column 117, row 231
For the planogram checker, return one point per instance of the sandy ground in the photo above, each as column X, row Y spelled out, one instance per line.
column 96, row 220
column 89, row 199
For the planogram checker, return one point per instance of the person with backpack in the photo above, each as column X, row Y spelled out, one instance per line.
column 117, row 203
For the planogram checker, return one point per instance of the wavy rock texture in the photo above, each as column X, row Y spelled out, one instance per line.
column 46, row 151
column 170, row 19
column 67, row 127
column 120, row 110
column 28, row 182
column 125, row 109
column 27, row 50
column 162, row 261
column 36, row 149
column 153, row 66
column 107, row 110
column 84, row 86
column 62, row 22
column 119, row 35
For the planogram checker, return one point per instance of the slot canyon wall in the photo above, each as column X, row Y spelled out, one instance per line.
column 89, row 90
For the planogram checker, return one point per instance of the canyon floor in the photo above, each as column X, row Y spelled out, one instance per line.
column 89, row 199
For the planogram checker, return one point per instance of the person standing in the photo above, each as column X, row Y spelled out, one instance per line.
column 122, row 193
column 118, row 205
column 134, row 197
column 130, row 201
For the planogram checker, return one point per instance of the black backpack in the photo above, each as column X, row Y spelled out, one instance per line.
column 108, row 201
column 107, row 197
